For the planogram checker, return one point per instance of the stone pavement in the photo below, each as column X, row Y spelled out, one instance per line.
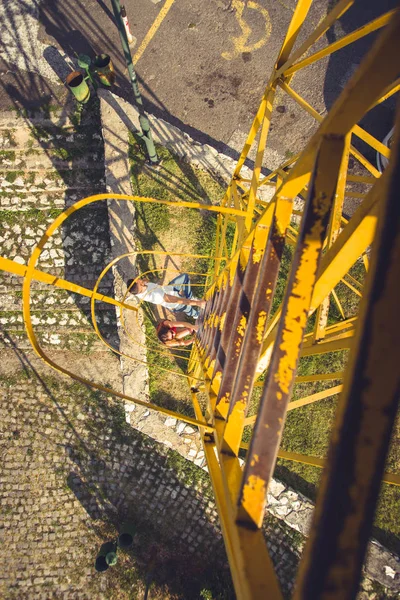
column 73, row 471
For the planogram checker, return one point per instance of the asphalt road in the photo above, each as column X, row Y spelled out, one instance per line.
column 204, row 69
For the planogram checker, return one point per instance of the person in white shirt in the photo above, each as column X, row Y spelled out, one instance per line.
column 177, row 296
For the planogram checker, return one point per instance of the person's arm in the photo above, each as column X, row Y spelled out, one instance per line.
column 187, row 301
column 183, row 332
column 184, row 324
column 175, row 343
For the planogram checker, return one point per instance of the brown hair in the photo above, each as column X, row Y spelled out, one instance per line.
column 135, row 288
column 162, row 330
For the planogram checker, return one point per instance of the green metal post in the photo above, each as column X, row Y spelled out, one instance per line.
column 143, row 120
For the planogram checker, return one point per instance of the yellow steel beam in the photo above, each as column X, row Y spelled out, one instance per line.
column 251, row 566
column 349, row 246
column 315, row 397
column 341, row 7
column 266, row 121
column 344, row 342
column 344, row 41
column 273, row 404
column 319, row 377
column 363, row 90
column 391, row 89
column 333, row 231
column 315, row 461
column 358, row 131
column 309, row 378
column 338, row 304
column 17, row 269
column 351, row 287
column 303, row 401
column 365, row 417
column 299, row 15
column 342, row 328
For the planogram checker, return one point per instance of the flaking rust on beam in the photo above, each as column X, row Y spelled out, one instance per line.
column 273, row 404
column 299, row 301
column 254, row 492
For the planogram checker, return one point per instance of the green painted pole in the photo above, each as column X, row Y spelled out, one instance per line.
column 143, row 120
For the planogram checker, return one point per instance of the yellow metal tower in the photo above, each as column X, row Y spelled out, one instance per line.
column 242, row 344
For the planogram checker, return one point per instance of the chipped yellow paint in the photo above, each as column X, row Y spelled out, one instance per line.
column 253, row 498
column 222, row 321
column 242, row 326
column 223, row 405
column 259, row 241
column 260, row 327
column 257, row 255
column 210, row 368
column 216, row 382
column 298, row 304
column 234, row 427
column 255, row 460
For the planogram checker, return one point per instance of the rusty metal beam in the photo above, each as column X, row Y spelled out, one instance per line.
column 367, row 409
column 273, row 404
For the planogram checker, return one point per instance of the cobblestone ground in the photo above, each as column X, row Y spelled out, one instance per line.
column 73, row 471
column 47, row 162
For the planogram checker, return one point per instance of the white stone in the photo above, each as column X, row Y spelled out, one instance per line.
column 389, row 571
column 189, row 429
column 276, row 488
column 271, row 499
column 19, row 182
column 20, row 260
column 282, row 511
column 180, row 428
column 170, row 422
column 292, row 495
column 192, row 453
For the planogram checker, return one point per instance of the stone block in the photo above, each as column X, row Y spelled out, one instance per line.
column 276, row 488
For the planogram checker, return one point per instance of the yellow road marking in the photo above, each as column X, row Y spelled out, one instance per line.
column 240, row 42
column 153, row 30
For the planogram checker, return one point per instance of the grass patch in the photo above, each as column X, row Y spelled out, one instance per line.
column 32, row 216
column 7, row 154
column 172, row 230
column 11, row 176
column 160, row 227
